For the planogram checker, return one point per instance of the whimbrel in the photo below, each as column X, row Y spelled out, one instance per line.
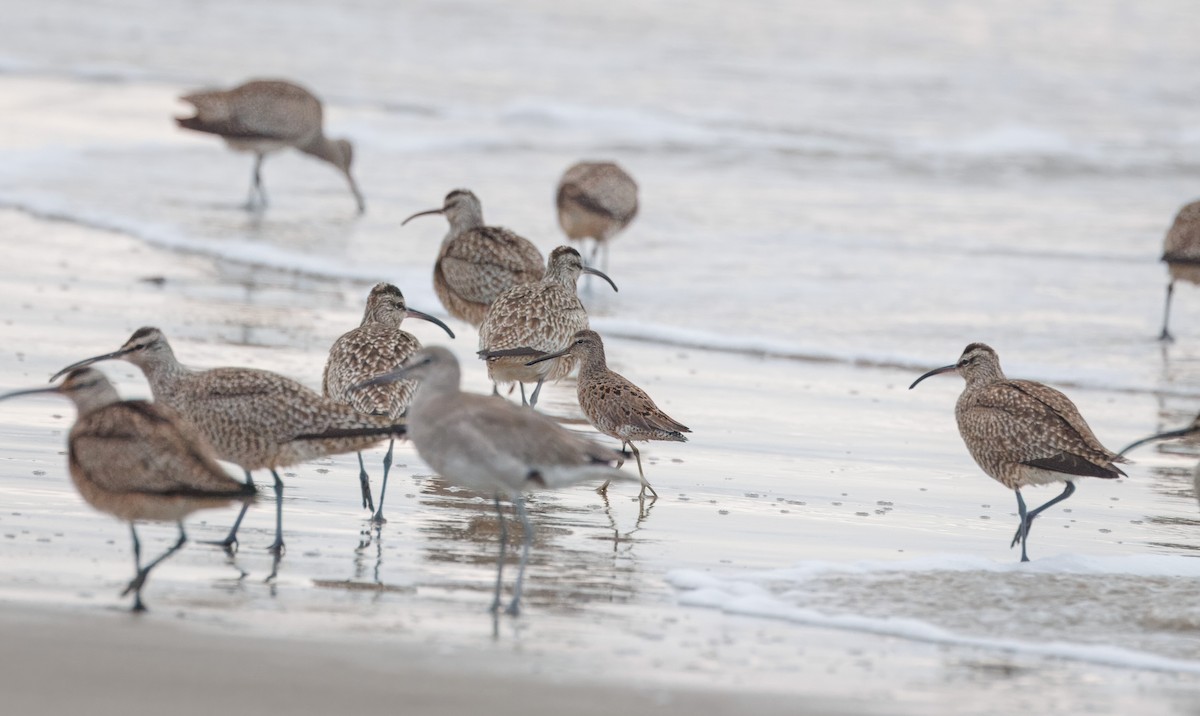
column 596, row 200
column 253, row 418
column 493, row 447
column 376, row 346
column 1181, row 252
column 533, row 319
column 615, row 406
column 265, row 116
column 1023, row 433
column 477, row 263
column 139, row 461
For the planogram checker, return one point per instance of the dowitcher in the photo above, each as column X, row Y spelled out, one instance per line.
column 493, row 447
column 533, row 319
column 265, row 116
column 596, row 200
column 615, row 406
column 376, row 346
column 476, row 263
column 139, row 461
column 253, row 418
column 1023, row 433
column 1181, row 252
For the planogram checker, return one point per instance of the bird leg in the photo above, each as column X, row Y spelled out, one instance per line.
column 537, row 389
column 258, row 195
column 378, row 518
column 230, row 543
column 523, row 400
column 276, row 547
column 139, row 579
column 1027, row 519
column 514, row 607
column 645, row 484
column 503, row 548
column 365, row 483
column 1166, row 335
column 1021, row 528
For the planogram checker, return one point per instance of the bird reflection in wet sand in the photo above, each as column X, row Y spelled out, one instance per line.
column 494, row 448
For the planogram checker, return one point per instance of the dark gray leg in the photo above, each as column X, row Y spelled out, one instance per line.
column 1166, row 335
column 387, row 465
column 140, row 578
column 645, row 485
column 503, row 549
column 514, row 607
column 523, row 400
column 1021, row 528
column 230, row 543
column 1027, row 519
column 258, row 195
column 137, row 550
column 365, row 482
column 537, row 389
column 277, row 546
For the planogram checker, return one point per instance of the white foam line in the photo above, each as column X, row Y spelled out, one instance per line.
column 744, row 598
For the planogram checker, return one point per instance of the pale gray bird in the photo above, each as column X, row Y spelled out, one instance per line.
column 1023, row 433
column 253, row 418
column 476, row 263
column 266, row 116
column 614, row 405
column 533, row 319
column 1181, row 252
column 376, row 346
column 139, row 461
column 493, row 447
column 596, row 200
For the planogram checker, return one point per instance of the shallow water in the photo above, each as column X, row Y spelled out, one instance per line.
column 835, row 199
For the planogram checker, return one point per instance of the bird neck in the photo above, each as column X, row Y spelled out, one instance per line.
column 162, row 371
column 95, row 397
column 445, row 381
column 322, row 147
column 562, row 276
column 984, row 375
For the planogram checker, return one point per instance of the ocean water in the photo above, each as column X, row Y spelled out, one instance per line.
column 872, row 185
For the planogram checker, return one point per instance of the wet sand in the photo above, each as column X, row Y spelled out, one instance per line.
column 791, row 460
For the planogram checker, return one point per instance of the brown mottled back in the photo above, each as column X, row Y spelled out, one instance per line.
column 596, row 200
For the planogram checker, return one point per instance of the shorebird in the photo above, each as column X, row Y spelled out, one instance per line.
column 477, row 263
column 534, row 319
column 1190, row 430
column 265, row 116
column 615, row 406
column 1023, row 433
column 376, row 346
column 596, row 200
column 1181, row 252
column 139, row 461
column 493, row 447
column 253, row 418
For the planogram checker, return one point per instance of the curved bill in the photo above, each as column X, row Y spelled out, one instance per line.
column 549, row 356
column 88, row 361
column 423, row 213
column 601, row 274
column 935, row 371
column 1161, row 436
column 382, row 379
column 358, row 197
column 30, row 391
column 426, row 317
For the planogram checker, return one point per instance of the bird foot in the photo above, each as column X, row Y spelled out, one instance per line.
column 513, row 610
column 277, row 548
column 378, row 519
column 229, row 544
column 135, row 585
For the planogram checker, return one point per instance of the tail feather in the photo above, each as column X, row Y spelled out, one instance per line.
column 397, row 429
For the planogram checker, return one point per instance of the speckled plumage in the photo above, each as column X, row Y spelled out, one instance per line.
column 265, row 116
column 540, row 317
column 377, row 346
column 476, row 263
column 1181, row 252
column 140, row 461
column 596, row 200
column 614, row 405
column 1021, row 432
column 493, row 447
column 253, row 418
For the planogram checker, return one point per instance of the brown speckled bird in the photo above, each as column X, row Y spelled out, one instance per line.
column 596, row 200
column 615, row 406
column 1181, row 252
column 377, row 346
column 265, row 116
column 253, row 418
column 533, row 319
column 1023, row 433
column 139, row 461
column 477, row 263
